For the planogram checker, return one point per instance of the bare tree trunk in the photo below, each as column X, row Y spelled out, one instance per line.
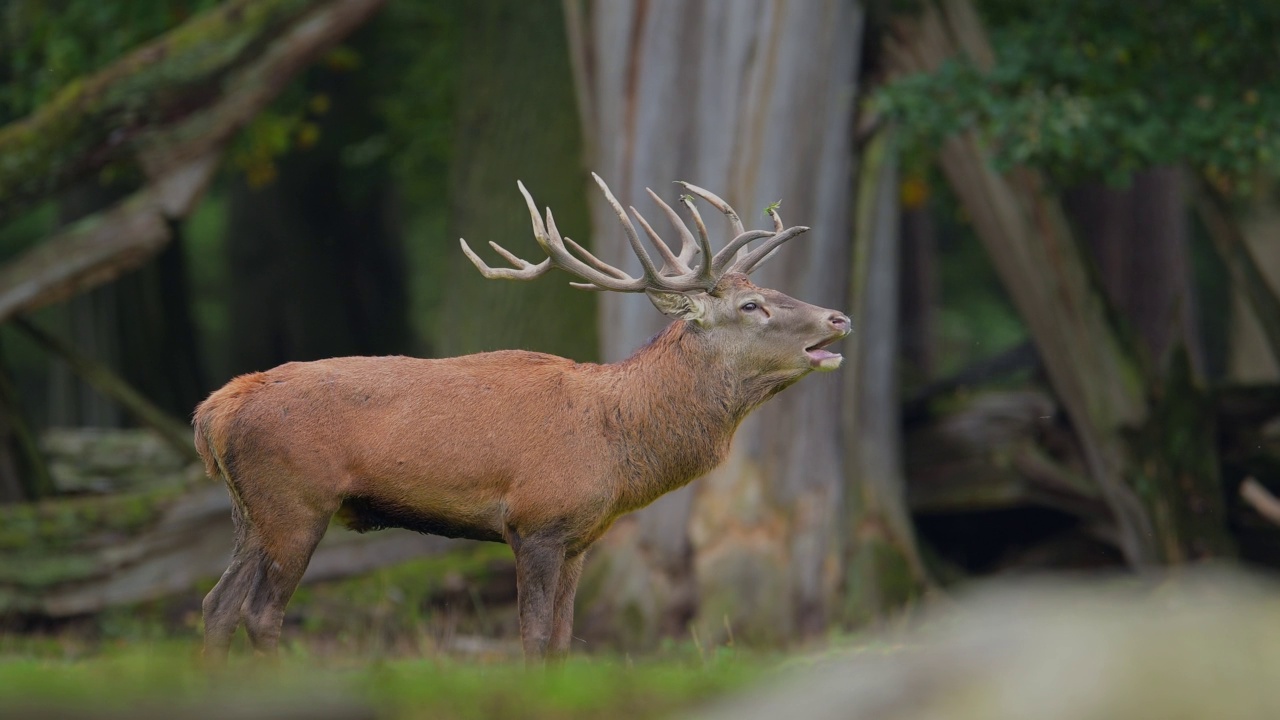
column 1138, row 237
column 1250, row 358
column 755, row 101
column 316, row 268
column 918, row 296
column 884, row 569
column 90, row 321
column 159, row 351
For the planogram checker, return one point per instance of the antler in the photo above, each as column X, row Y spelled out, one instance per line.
column 676, row 274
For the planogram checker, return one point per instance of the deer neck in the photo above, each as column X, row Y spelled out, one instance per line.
column 675, row 406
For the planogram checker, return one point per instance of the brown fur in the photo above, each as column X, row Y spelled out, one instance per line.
column 531, row 449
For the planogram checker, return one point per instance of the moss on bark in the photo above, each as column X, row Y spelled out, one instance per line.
column 101, row 119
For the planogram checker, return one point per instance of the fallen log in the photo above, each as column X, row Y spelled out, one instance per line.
column 170, row 108
column 998, row 450
column 156, row 528
column 92, row 553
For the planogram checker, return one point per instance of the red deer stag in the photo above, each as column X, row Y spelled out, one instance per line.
column 534, row 450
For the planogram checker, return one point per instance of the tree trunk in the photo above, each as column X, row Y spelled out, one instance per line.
column 316, row 267
column 1250, row 359
column 1138, row 237
column 918, row 295
column 159, row 353
column 753, row 100
column 514, row 120
column 884, row 569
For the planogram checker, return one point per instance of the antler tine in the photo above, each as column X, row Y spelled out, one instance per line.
column 646, row 263
column 568, row 255
column 756, row 257
column 539, row 231
column 669, row 258
column 688, row 246
column 727, row 257
column 716, row 203
column 728, row 254
column 590, row 259
column 603, row 275
column 723, row 258
column 599, row 276
column 704, row 271
column 524, row 270
column 772, row 210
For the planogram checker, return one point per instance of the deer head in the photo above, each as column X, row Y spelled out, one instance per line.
column 751, row 326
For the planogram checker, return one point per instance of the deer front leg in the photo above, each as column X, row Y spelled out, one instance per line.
column 538, row 565
column 562, row 619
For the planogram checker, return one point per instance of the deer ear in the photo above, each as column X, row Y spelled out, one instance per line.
column 678, row 305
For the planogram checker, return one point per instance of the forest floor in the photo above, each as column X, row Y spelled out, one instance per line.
column 432, row 638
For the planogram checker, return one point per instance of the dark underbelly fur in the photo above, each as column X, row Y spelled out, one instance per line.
column 362, row 515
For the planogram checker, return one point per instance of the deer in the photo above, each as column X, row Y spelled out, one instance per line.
column 530, row 449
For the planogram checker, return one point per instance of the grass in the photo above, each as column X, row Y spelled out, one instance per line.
column 170, row 676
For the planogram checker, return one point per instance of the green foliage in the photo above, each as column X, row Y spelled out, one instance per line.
column 49, row 43
column 1097, row 88
column 93, row 121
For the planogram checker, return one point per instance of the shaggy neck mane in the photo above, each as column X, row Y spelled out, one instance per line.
column 675, row 405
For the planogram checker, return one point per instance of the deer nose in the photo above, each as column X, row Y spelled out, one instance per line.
column 840, row 322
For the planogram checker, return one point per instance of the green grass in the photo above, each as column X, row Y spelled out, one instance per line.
column 171, row 676
column 430, row 638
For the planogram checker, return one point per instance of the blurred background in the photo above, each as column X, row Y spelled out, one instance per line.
column 1055, row 224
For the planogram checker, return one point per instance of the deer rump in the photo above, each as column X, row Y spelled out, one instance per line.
column 445, row 447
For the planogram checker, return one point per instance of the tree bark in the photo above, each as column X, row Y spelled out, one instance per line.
column 317, row 264
column 1251, row 355
column 753, row 100
column 1138, row 237
column 884, row 569
column 514, row 120
column 919, row 293
column 132, row 108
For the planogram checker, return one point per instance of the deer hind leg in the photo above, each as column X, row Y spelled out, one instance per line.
column 562, row 618
column 538, row 564
column 222, row 605
column 278, row 570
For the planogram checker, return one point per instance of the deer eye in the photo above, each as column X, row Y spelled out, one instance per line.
column 749, row 307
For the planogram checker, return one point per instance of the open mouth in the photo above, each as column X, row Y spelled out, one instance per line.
column 823, row 359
